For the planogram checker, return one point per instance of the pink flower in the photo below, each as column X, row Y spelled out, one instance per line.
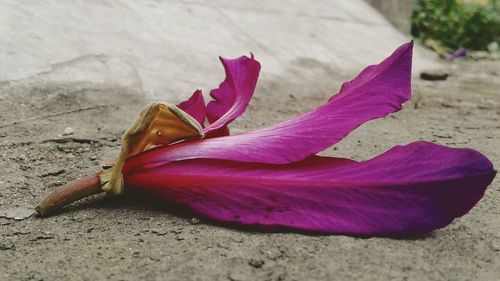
column 272, row 178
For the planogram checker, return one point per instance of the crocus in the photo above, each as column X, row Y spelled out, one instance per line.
column 272, row 179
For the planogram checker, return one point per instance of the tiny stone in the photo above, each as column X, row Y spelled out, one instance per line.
column 55, row 172
column 195, row 221
column 6, row 245
column 159, row 232
column 93, row 157
column 434, row 75
column 44, row 236
column 18, row 213
column 68, row 131
column 256, row 263
column 106, row 164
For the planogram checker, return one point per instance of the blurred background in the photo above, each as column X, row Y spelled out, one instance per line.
column 450, row 25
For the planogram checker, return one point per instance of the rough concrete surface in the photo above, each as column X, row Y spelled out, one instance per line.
column 398, row 12
column 138, row 237
column 173, row 40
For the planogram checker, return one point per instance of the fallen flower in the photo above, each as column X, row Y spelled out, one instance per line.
column 271, row 178
column 461, row 53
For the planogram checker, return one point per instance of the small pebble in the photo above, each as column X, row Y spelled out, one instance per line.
column 159, row 232
column 7, row 245
column 45, row 236
column 18, row 213
column 68, row 131
column 256, row 263
column 55, row 172
column 434, row 75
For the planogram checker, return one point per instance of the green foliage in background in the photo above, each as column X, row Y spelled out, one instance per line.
column 448, row 25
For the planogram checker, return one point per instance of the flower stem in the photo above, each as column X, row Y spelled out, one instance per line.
column 69, row 193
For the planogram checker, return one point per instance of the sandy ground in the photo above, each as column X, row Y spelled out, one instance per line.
column 137, row 237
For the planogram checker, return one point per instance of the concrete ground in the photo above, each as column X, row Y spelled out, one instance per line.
column 152, row 43
column 92, row 66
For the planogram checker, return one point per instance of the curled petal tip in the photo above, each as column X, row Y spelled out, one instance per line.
column 376, row 92
column 195, row 107
column 231, row 99
column 270, row 179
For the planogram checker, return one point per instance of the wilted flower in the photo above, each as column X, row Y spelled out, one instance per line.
column 273, row 179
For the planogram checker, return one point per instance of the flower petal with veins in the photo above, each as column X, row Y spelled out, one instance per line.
column 409, row 190
column 231, row 99
column 195, row 106
column 271, row 178
column 377, row 91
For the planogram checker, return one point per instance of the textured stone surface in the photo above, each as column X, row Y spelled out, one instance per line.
column 136, row 236
column 168, row 47
column 398, row 12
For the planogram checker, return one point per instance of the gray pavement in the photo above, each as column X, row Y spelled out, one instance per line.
column 172, row 46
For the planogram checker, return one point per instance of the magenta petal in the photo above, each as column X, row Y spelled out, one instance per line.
column 376, row 92
column 409, row 190
column 195, row 106
column 231, row 99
